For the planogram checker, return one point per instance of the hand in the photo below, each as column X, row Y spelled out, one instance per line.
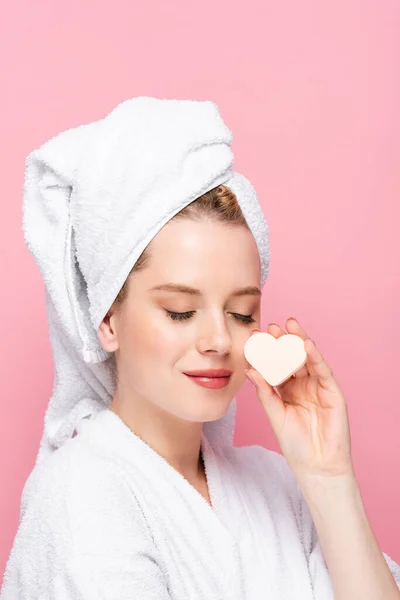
column 308, row 414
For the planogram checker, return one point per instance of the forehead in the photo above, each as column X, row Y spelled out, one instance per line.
column 204, row 257
column 184, row 240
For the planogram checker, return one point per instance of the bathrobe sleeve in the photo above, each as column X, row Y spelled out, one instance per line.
column 82, row 536
column 316, row 561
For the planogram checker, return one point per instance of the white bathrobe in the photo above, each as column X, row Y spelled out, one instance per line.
column 107, row 518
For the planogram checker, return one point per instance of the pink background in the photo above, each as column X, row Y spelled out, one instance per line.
column 311, row 91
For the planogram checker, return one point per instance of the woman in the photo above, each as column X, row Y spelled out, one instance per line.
column 147, row 497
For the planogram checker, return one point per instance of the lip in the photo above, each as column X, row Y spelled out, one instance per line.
column 209, row 373
column 213, row 383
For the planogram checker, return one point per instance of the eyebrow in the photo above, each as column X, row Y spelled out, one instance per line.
column 185, row 289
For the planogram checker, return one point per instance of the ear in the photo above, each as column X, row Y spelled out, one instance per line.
column 107, row 333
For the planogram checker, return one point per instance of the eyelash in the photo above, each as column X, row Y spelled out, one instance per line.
column 187, row 315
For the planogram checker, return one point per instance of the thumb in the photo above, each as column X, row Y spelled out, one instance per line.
column 269, row 398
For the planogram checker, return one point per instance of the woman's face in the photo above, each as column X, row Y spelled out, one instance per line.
column 153, row 350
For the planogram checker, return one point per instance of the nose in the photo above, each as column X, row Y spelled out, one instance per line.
column 216, row 338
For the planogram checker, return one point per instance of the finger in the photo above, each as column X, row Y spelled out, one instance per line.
column 294, row 327
column 318, row 367
column 269, row 398
column 315, row 362
column 275, row 330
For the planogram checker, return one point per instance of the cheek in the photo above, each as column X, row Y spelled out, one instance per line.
column 152, row 337
column 170, row 340
column 241, row 360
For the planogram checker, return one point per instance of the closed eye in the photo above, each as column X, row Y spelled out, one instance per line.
column 175, row 316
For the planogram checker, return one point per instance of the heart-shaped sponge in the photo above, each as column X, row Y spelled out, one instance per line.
column 276, row 359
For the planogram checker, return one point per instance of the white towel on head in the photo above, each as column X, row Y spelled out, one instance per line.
column 94, row 197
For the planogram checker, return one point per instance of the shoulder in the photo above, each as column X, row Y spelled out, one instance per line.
column 80, row 528
column 62, row 472
column 80, row 500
